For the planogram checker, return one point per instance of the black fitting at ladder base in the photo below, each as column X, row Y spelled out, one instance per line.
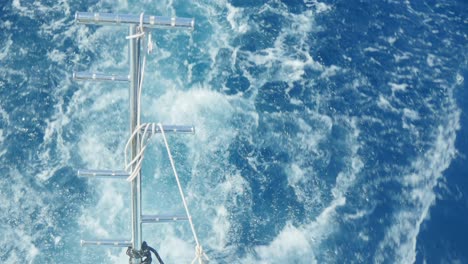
column 144, row 254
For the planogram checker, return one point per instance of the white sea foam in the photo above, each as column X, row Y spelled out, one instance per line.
column 2, row 138
column 24, row 11
column 330, row 71
column 459, row 79
column 300, row 243
column 56, row 56
column 283, row 63
column 431, row 60
column 213, row 186
column 398, row 87
column 391, row 40
column 296, row 175
column 174, row 249
column 6, row 48
column 291, row 244
column 237, row 19
column 211, row 112
column 371, row 49
column 318, row 6
column 411, row 114
column 385, row 104
column 53, row 135
column 403, row 56
column 401, row 236
column 26, row 210
column 31, row 215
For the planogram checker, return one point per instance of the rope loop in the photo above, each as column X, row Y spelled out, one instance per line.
column 199, row 255
column 141, row 29
column 141, row 33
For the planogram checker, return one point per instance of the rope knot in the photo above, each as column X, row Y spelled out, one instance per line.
column 141, row 34
column 141, row 29
column 199, row 251
column 199, row 255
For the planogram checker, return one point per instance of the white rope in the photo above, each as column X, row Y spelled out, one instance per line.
column 199, row 254
column 141, row 33
column 134, row 166
column 140, row 28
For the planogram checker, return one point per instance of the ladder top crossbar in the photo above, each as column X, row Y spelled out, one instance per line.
column 129, row 19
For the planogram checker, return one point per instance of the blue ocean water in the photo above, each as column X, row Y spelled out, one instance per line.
column 327, row 131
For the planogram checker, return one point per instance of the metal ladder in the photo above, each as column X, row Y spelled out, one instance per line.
column 133, row 22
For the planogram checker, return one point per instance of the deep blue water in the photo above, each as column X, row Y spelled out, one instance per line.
column 327, row 131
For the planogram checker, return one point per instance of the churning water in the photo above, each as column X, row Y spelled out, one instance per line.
column 327, row 131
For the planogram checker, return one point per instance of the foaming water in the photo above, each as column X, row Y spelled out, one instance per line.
column 322, row 130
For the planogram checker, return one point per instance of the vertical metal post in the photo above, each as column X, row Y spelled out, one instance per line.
column 134, row 56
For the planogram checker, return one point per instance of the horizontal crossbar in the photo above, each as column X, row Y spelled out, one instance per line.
column 162, row 218
column 128, row 19
column 154, row 128
column 106, row 242
column 107, row 174
column 79, row 76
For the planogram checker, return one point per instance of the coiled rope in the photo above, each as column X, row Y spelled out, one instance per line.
column 134, row 166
